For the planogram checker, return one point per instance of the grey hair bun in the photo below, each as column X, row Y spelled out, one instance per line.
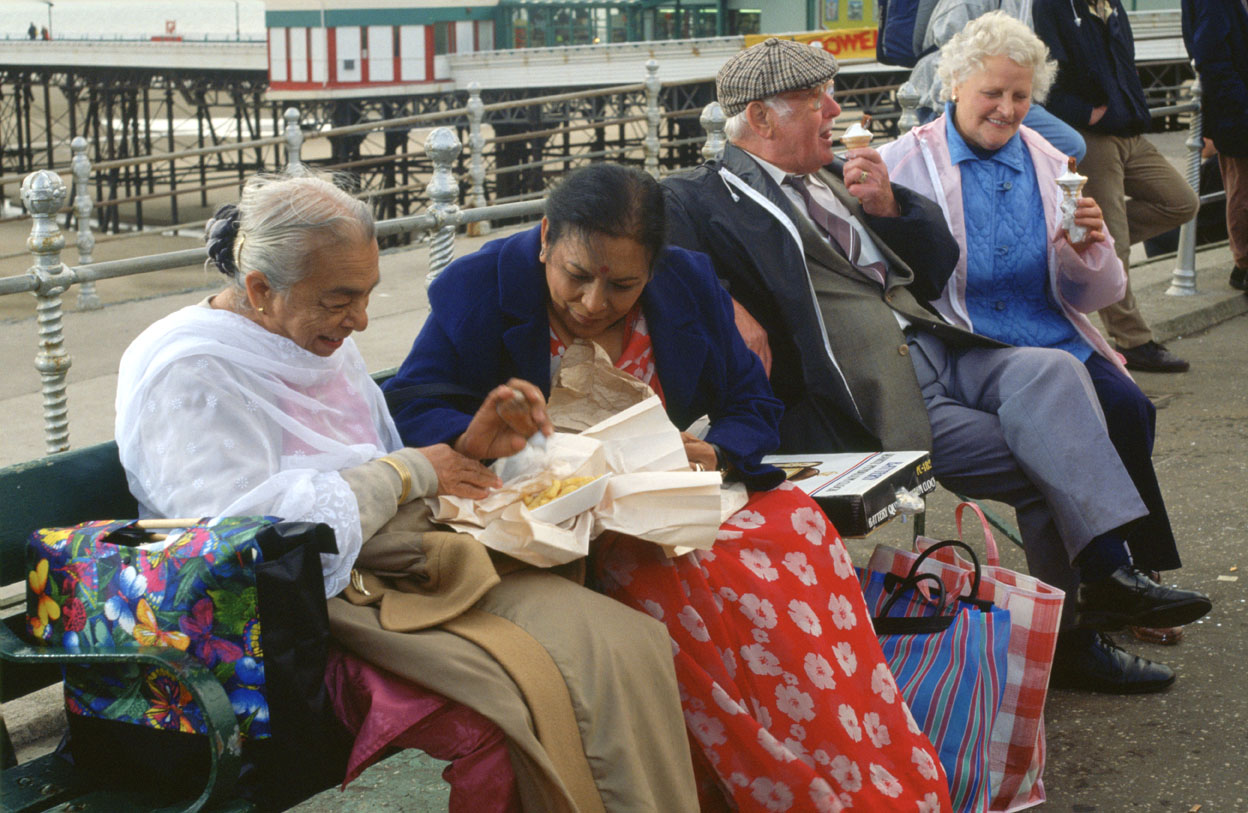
column 220, row 233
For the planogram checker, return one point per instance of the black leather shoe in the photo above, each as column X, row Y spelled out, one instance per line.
column 1093, row 662
column 1128, row 597
column 1239, row 278
column 1152, row 357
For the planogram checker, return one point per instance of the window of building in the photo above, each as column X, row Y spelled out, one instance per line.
column 745, row 21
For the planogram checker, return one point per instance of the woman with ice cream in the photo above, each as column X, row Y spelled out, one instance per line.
column 1023, row 277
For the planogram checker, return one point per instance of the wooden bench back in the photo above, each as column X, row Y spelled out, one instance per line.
column 62, row 489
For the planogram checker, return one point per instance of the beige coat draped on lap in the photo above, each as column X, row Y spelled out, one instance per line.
column 583, row 687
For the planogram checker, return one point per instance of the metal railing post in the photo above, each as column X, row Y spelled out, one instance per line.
column 443, row 148
column 476, row 169
column 88, row 300
column 712, row 121
column 653, row 85
column 908, row 98
column 1183, row 279
column 44, row 194
column 294, row 141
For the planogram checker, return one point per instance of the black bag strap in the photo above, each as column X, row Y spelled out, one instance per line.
column 973, row 599
column 886, row 625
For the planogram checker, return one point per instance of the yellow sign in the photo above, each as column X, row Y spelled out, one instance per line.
column 842, row 43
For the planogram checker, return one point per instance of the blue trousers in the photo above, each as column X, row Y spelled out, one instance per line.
column 1131, row 420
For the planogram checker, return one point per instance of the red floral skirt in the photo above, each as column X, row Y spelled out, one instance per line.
column 783, row 684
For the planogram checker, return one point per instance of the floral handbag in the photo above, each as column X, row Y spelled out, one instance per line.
column 107, row 584
column 243, row 595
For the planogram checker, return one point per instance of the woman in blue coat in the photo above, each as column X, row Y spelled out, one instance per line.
column 780, row 671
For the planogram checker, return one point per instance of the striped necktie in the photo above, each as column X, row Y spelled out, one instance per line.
column 844, row 237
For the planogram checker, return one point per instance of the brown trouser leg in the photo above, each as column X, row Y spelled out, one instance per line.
column 1141, row 196
column 1235, row 179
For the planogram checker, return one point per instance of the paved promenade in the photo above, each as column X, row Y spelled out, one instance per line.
column 1170, row 752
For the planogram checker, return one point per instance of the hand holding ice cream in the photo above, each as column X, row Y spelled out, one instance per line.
column 1081, row 217
column 857, row 135
column 866, row 176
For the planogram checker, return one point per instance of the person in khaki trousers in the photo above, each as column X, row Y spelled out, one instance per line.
column 1141, row 195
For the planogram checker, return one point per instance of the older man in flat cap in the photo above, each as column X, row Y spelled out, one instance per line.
column 830, row 266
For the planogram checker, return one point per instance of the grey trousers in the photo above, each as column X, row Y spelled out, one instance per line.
column 1022, row 425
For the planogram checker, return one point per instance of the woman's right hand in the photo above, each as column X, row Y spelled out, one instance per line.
column 459, row 476
column 511, row 414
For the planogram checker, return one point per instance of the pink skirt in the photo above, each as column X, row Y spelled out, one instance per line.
column 387, row 712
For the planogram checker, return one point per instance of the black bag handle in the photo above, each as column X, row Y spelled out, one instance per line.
column 886, row 625
column 973, row 599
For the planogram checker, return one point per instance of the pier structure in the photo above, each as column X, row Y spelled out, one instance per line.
column 181, row 105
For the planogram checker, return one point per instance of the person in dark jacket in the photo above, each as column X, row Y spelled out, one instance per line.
column 862, row 363
column 1098, row 92
column 596, row 272
column 1216, row 33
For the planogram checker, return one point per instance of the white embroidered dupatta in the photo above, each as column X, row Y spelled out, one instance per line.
column 216, row 416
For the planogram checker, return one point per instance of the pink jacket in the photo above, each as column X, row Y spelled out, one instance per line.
column 1081, row 283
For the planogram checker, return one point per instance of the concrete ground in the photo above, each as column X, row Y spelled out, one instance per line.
column 1179, row 751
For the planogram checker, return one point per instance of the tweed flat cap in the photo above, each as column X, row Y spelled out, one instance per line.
column 773, row 66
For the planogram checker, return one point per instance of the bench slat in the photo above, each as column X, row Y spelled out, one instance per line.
column 37, row 785
column 106, row 801
column 20, row 679
column 60, row 490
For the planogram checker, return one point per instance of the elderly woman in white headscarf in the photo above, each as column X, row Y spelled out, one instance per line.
column 256, row 401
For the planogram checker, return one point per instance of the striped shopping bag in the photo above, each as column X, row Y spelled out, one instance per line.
column 948, row 655
column 1016, row 755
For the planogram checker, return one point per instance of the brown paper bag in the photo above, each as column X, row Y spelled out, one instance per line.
column 644, row 486
column 588, row 389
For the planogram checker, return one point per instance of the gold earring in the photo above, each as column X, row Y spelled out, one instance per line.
column 261, row 310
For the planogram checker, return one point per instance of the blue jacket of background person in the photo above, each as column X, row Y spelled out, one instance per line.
column 1216, row 34
column 1096, row 66
column 489, row 323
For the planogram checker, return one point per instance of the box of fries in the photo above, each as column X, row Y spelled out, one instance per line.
column 621, row 468
column 565, row 498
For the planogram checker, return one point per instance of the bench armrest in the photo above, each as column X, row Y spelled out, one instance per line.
column 224, row 739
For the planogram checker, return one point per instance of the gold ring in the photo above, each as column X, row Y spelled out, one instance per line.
column 698, row 466
column 864, row 177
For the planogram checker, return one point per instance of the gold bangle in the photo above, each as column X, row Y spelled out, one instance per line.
column 405, row 476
